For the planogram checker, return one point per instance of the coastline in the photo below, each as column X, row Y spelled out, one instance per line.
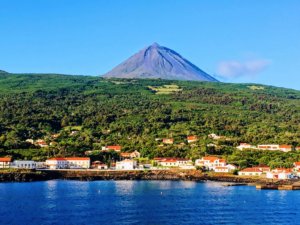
column 91, row 175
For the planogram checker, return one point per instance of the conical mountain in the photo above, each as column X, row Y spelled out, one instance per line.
column 157, row 61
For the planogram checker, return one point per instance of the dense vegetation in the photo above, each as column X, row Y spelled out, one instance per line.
column 130, row 113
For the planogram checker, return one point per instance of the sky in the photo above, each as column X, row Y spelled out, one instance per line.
column 236, row 41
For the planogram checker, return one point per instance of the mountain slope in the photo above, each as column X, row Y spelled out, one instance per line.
column 157, row 61
column 2, row 72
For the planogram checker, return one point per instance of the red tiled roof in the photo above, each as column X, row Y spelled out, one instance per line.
column 168, row 140
column 297, row 163
column 285, row 146
column 251, row 169
column 125, row 154
column 192, row 138
column 210, row 158
column 5, row 159
column 170, row 160
column 114, row 147
column 282, row 170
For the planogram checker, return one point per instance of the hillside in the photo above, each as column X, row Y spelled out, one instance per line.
column 134, row 113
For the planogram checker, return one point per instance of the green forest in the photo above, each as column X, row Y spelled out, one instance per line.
column 88, row 112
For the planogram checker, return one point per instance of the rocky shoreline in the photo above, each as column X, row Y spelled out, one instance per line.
column 91, row 175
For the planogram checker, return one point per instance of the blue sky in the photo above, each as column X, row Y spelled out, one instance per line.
column 237, row 41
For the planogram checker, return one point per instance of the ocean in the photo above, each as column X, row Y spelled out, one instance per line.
column 144, row 202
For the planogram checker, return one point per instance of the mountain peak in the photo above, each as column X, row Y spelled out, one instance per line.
column 155, row 45
column 156, row 61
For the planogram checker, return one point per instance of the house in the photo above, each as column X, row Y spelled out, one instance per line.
column 55, row 136
column 285, row 148
column 225, row 169
column 191, row 139
column 280, row 173
column 130, row 155
column 99, row 165
column 251, row 171
column 68, row 163
column 40, row 165
column 296, row 165
column 210, row 162
column 116, row 148
column 126, row 164
column 221, row 169
column 42, row 143
column 24, row 164
column 214, row 136
column 275, row 147
column 168, row 162
column 264, row 168
column 5, row 162
column 78, row 162
column 245, row 146
column 31, row 141
column 168, row 140
column 174, row 162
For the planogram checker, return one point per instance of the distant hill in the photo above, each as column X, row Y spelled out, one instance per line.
column 157, row 61
column 2, row 71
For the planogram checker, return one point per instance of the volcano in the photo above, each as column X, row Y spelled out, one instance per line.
column 154, row 62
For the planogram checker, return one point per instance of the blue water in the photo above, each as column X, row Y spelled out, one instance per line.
column 144, row 202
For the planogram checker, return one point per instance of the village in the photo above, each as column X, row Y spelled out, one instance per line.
column 132, row 161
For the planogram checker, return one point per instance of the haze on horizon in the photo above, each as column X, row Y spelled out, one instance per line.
column 235, row 41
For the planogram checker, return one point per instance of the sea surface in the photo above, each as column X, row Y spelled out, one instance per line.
column 144, row 202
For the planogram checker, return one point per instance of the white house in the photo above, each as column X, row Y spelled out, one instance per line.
column 175, row 162
column 116, row 148
column 126, row 164
column 168, row 141
column 130, row 155
column 275, row 147
column 245, row 146
column 24, row 164
column 191, row 139
column 280, row 173
column 5, row 162
column 225, row 169
column 296, row 166
column 42, row 143
column 168, row 162
column 99, row 165
column 251, row 171
column 40, row 165
column 68, row 163
column 210, row 162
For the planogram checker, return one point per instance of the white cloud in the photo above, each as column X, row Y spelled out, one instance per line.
column 234, row 68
